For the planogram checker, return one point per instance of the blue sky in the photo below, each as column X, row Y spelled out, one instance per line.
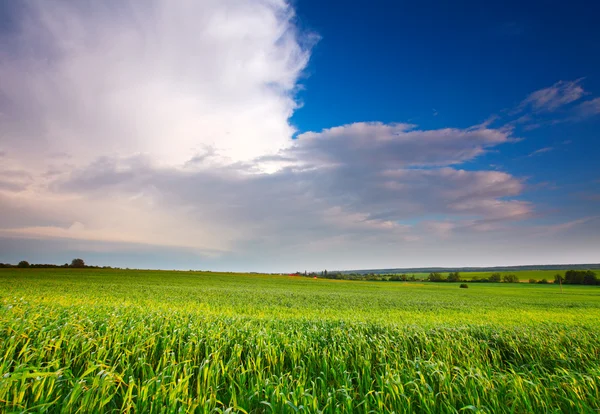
column 440, row 64
column 268, row 136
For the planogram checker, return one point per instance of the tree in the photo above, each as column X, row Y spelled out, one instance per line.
column 77, row 263
column 23, row 263
column 453, row 277
column 495, row 277
column 580, row 277
column 435, row 277
column 512, row 278
column 558, row 278
column 590, row 278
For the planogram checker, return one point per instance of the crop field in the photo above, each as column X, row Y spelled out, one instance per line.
column 91, row 341
column 523, row 275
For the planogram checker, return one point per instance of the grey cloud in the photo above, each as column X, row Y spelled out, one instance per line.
column 355, row 196
column 395, row 145
column 15, row 180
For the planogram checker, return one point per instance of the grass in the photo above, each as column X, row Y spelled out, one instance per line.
column 151, row 341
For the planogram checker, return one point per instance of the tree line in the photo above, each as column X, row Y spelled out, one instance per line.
column 571, row 277
column 577, row 277
column 23, row 264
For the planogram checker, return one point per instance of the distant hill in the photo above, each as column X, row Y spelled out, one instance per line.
column 473, row 269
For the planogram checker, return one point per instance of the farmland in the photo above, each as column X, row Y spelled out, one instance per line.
column 152, row 341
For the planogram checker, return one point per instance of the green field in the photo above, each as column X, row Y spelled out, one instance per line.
column 151, row 341
column 524, row 275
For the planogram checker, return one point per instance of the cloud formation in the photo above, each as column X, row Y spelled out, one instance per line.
column 166, row 79
column 166, row 125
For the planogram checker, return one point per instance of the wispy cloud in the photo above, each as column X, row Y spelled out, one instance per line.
column 588, row 108
column 541, row 151
column 553, row 97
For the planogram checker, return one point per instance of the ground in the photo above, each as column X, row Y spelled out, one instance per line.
column 156, row 341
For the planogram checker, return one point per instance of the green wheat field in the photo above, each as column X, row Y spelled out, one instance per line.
column 92, row 341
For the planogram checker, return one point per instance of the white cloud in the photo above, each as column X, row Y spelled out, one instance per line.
column 588, row 108
column 541, row 151
column 555, row 96
column 167, row 79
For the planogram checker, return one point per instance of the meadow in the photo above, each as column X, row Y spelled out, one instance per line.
column 88, row 340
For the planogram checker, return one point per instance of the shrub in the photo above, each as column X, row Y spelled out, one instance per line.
column 463, row 286
column 532, row 281
column 23, row 263
column 543, row 282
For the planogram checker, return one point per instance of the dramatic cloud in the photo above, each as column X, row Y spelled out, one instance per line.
column 171, row 80
column 165, row 126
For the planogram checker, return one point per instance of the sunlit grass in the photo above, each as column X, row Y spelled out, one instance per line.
column 98, row 341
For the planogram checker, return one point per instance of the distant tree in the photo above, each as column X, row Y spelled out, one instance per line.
column 574, row 277
column 23, row 263
column 453, row 277
column 580, row 277
column 590, row 278
column 77, row 263
column 412, row 278
column 495, row 277
column 532, row 281
column 510, row 278
column 558, row 278
column 403, row 277
column 543, row 282
column 435, row 277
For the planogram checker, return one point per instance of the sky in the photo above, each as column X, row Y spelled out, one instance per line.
column 263, row 135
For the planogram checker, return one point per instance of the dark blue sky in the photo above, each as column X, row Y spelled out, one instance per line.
column 396, row 61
